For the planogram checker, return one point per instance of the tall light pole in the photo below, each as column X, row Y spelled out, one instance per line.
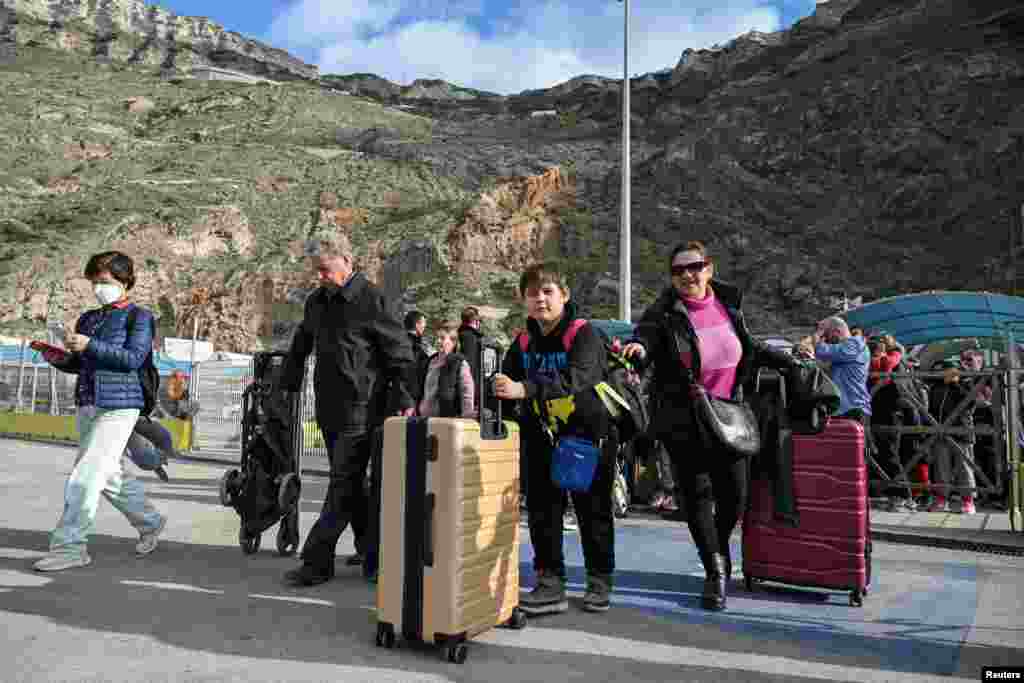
column 625, row 285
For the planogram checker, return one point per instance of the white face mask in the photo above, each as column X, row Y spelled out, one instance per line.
column 108, row 292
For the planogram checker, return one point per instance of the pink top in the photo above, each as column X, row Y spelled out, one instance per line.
column 719, row 347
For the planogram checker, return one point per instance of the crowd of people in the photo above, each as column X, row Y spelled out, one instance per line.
column 881, row 387
column 692, row 343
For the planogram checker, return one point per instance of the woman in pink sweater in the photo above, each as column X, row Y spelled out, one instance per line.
column 448, row 387
column 697, row 339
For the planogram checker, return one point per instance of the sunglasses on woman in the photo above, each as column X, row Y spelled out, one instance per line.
column 693, row 268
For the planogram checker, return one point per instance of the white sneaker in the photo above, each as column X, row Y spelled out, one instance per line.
column 57, row 561
column 148, row 540
column 569, row 521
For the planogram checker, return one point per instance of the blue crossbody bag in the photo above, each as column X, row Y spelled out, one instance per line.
column 574, row 462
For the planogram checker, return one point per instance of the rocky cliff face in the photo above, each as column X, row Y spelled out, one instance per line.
column 871, row 149
column 372, row 85
column 874, row 148
column 135, row 32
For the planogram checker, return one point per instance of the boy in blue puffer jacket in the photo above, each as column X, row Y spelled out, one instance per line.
column 107, row 357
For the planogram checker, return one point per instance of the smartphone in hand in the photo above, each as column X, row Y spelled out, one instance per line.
column 52, row 354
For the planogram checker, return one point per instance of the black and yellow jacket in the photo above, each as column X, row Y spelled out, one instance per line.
column 559, row 384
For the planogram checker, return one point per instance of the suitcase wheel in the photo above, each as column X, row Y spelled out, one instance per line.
column 457, row 653
column 229, row 485
column 385, row 636
column 856, row 598
column 249, row 544
column 288, row 536
column 517, row 620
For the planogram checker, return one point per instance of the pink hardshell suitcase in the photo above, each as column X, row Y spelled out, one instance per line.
column 831, row 546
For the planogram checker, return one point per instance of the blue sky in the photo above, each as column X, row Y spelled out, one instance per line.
column 494, row 45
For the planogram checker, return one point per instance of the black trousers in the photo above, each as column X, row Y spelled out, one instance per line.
column 889, row 451
column 714, row 486
column 346, row 502
column 545, row 504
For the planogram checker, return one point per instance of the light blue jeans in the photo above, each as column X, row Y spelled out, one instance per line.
column 99, row 469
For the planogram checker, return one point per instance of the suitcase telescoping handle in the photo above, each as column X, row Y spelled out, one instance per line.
column 489, row 364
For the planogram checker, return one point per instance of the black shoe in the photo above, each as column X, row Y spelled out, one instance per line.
column 713, row 597
column 354, row 560
column 161, row 473
column 307, row 575
column 678, row 515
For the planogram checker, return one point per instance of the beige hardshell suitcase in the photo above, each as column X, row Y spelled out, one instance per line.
column 449, row 531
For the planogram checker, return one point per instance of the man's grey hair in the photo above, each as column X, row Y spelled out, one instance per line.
column 335, row 245
column 835, row 323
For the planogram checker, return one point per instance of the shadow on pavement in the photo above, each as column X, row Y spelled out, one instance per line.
column 213, row 599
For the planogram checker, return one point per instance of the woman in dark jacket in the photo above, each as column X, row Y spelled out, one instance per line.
column 106, row 353
column 556, row 386
column 696, row 337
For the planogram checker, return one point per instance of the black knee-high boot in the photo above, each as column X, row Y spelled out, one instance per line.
column 714, row 585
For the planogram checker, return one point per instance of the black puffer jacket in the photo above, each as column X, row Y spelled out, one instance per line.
column 666, row 333
column 449, row 385
column 363, row 357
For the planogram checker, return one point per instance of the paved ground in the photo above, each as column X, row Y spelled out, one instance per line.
column 198, row 610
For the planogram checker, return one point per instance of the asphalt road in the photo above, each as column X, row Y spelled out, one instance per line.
column 199, row 610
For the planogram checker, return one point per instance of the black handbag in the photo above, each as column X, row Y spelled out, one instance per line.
column 732, row 423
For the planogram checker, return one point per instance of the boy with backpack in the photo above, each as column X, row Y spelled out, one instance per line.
column 555, row 373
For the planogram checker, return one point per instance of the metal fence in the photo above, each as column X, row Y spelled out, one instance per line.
column 27, row 387
column 217, row 387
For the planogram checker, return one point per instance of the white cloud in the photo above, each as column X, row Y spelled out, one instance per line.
column 537, row 44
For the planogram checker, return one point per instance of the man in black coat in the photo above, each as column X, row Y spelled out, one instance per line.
column 469, row 344
column 363, row 357
column 415, row 326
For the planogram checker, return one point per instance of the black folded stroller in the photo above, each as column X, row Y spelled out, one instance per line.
column 266, row 489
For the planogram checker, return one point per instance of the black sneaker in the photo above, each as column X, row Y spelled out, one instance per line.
column 597, row 597
column 547, row 597
column 161, row 473
column 307, row 575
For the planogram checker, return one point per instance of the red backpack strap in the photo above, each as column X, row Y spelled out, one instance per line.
column 567, row 337
column 570, row 333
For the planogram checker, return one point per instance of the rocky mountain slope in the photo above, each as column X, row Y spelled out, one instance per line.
column 135, row 32
column 873, row 148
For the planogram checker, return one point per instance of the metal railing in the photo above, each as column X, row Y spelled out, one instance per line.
column 959, row 438
column 217, row 426
column 27, row 387
column 217, row 386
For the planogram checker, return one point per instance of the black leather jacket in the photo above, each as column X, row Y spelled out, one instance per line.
column 666, row 333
